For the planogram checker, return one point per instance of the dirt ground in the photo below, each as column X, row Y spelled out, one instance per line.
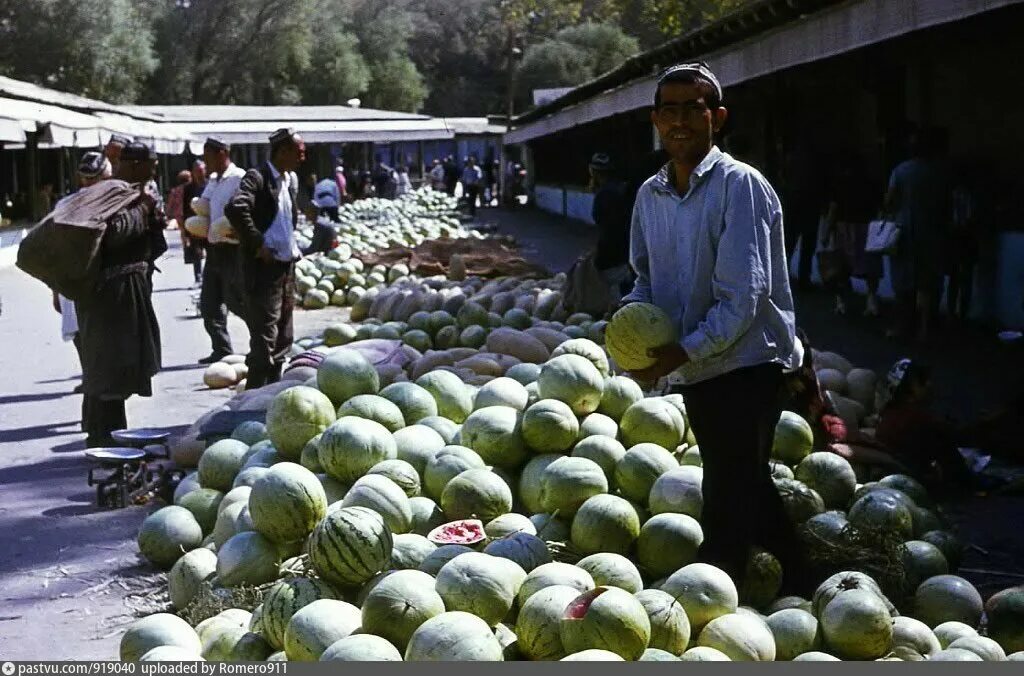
column 70, row 575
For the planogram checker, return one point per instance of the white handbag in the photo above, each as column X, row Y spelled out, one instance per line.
column 883, row 236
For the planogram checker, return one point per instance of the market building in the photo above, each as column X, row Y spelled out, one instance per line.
column 836, row 80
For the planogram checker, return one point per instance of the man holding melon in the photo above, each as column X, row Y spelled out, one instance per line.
column 712, row 309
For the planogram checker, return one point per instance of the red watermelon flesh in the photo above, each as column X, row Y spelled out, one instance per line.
column 463, row 532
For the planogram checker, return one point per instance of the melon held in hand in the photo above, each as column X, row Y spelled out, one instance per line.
column 636, row 328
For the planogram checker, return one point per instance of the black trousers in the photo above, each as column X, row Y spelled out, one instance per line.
column 733, row 418
column 269, row 306
column 221, row 292
column 472, row 193
column 100, row 417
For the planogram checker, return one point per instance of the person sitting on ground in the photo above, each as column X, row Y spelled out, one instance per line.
column 326, row 198
column 325, row 232
column 920, row 439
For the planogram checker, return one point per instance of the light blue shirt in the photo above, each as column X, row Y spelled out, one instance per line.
column 326, row 194
column 714, row 259
column 280, row 236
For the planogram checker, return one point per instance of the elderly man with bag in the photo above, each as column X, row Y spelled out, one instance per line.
column 118, row 328
column 264, row 213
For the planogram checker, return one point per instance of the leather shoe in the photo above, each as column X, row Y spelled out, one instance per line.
column 212, row 358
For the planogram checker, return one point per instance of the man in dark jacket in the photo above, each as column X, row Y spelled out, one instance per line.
column 117, row 325
column 263, row 213
column 611, row 212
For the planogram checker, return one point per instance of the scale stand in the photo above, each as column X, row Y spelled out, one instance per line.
column 126, row 474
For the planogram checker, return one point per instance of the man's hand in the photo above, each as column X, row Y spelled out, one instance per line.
column 265, row 255
column 669, row 358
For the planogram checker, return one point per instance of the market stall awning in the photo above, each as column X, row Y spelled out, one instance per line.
column 322, row 132
column 166, row 138
column 56, row 126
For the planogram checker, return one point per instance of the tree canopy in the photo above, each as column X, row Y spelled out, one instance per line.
column 414, row 55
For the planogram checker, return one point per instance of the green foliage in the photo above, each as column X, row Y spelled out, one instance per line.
column 575, row 55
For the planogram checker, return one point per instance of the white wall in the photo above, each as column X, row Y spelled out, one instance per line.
column 573, row 203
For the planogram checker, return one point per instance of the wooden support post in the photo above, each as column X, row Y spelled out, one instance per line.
column 32, row 169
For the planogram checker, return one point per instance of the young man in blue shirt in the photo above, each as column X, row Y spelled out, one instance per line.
column 708, row 248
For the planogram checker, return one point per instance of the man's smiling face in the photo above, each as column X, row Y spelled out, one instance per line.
column 684, row 122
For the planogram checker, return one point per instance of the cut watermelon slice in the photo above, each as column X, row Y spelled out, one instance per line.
column 581, row 604
column 463, row 532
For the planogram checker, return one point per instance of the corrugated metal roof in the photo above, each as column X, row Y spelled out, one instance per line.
column 280, row 113
column 473, row 125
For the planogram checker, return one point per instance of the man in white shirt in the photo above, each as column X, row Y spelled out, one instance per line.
column 263, row 213
column 222, row 284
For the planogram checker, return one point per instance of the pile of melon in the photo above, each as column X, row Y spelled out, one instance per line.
column 553, row 512
column 229, row 371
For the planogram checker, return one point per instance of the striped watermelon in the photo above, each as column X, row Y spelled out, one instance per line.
column 287, row 502
column 350, row 545
column 634, row 329
column 285, row 599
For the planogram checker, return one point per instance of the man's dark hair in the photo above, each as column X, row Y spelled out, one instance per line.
column 690, row 77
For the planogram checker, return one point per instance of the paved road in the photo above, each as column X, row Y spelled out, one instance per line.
column 64, row 564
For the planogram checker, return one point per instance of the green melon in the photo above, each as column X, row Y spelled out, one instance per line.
column 526, row 550
column 402, row 473
column 495, row 434
column 830, row 475
column 285, row 599
column 800, row 501
column 220, row 463
column 295, row 416
column 612, row 570
column 550, row 426
column 454, row 636
column 606, row 618
column 310, row 455
column 795, row 631
column 524, row 373
column 762, row 579
column 1004, row 612
column 946, row 598
column 476, row 493
column 678, row 490
column 399, row 604
column 670, row 627
column 453, row 398
column 947, row 632
column 167, row 534
column 705, row 592
column 361, row 648
column 551, row 528
column 188, row 574
column 740, row 637
column 619, row 394
column 587, row 349
column 204, row 503
column 856, row 625
column 509, row 524
column 418, row 443
column 350, row 545
column 982, row 646
column 410, row 551
column 502, row 392
column 634, row 329
column 667, row 542
column 351, row 446
column 250, row 432
column 640, row 467
column 446, row 464
column 287, row 503
column 339, row 334
column 568, row 482
column 816, row 656
column 155, row 631
column 374, row 407
column 882, row 510
column 605, row 523
column 554, row 574
column 653, row 421
column 603, row 450
column 481, row 584
column 384, row 496
column 168, row 653
column 598, row 424
column 318, row 625
column 573, row 380
column 539, row 620
column 793, row 440
column 413, row 401
column 345, row 373
column 247, row 559
column 921, row 560
column 592, row 655
column 914, row 635
column 434, row 561
column 236, row 644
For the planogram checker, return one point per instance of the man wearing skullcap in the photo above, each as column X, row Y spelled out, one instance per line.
column 92, row 168
column 118, row 327
column 263, row 213
column 222, row 284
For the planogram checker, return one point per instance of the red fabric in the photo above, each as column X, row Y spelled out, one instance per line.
column 835, row 429
column 176, row 205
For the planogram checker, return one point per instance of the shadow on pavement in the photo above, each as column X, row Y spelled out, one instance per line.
column 26, row 398
column 39, row 431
